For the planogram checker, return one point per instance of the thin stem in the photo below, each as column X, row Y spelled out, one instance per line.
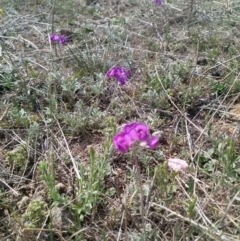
column 190, row 13
column 141, row 192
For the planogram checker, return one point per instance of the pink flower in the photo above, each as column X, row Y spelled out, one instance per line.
column 121, row 74
column 177, row 164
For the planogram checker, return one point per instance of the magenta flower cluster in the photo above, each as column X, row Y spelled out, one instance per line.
column 54, row 37
column 132, row 132
column 121, row 74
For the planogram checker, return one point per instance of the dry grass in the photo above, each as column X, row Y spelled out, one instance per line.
column 61, row 178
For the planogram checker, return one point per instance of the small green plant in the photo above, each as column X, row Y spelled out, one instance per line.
column 48, row 177
column 84, row 119
column 191, row 207
column 86, row 64
column 180, row 48
column 35, row 214
column 91, row 188
column 19, row 117
column 218, row 87
column 229, row 158
column 91, row 180
column 7, row 81
column 223, row 155
column 52, row 105
column 213, row 54
column 164, row 184
column 18, row 158
column 68, row 88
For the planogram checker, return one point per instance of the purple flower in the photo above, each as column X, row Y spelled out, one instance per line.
column 113, row 72
column 153, row 142
column 122, row 79
column 54, row 37
column 62, row 39
column 132, row 132
column 122, row 141
column 130, row 129
column 158, row 2
column 121, row 74
column 142, row 131
column 137, row 130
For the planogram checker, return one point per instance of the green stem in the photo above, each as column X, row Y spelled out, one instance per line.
column 141, row 192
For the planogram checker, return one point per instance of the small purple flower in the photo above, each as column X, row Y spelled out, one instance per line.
column 132, row 132
column 158, row 2
column 153, row 142
column 121, row 74
column 54, row 37
column 62, row 39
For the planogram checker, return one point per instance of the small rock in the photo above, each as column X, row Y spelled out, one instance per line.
column 56, row 213
column 202, row 61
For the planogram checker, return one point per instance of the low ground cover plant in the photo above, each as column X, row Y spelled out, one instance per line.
column 119, row 120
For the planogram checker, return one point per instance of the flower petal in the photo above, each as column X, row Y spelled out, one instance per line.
column 122, row 141
column 177, row 164
column 142, row 131
column 62, row 39
column 54, row 37
column 153, row 142
column 137, row 130
column 113, row 72
column 122, row 79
